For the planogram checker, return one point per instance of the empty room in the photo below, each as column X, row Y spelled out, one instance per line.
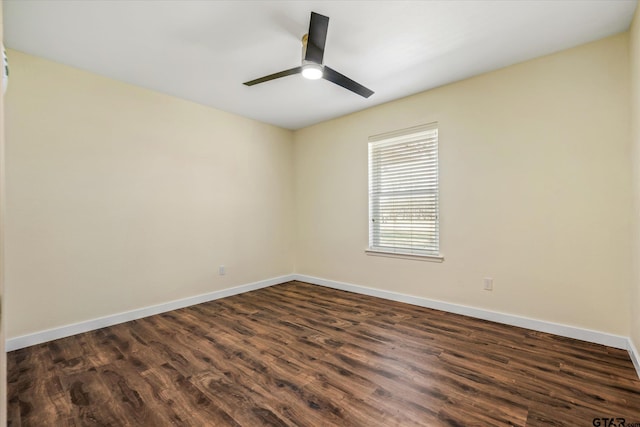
column 320, row 213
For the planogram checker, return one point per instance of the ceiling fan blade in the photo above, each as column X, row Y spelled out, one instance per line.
column 274, row 76
column 344, row 81
column 317, row 38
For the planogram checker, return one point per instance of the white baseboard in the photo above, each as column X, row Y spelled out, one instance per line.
column 597, row 337
column 634, row 355
column 616, row 341
column 101, row 322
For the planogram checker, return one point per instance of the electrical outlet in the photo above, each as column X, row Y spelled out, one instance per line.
column 221, row 270
column 488, row 283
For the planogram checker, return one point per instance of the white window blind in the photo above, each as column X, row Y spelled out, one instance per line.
column 403, row 191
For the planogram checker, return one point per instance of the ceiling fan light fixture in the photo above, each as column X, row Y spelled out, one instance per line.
column 312, row 71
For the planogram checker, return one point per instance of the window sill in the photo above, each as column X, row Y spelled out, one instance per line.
column 430, row 258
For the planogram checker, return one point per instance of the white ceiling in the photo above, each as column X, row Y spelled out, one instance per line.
column 203, row 50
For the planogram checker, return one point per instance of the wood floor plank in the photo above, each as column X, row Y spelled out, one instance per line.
column 303, row 355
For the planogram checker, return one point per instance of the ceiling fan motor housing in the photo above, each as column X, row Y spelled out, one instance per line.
column 310, row 69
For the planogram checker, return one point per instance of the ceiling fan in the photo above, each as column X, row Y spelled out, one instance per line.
column 312, row 54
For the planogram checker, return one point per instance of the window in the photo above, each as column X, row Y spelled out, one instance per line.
column 403, row 193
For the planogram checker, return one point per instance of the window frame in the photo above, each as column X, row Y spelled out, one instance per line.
column 417, row 134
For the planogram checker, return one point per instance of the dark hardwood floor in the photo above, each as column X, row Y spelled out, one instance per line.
column 303, row 355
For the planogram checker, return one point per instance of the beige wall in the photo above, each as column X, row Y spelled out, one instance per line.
column 3, row 354
column 120, row 198
column 634, row 52
column 535, row 191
